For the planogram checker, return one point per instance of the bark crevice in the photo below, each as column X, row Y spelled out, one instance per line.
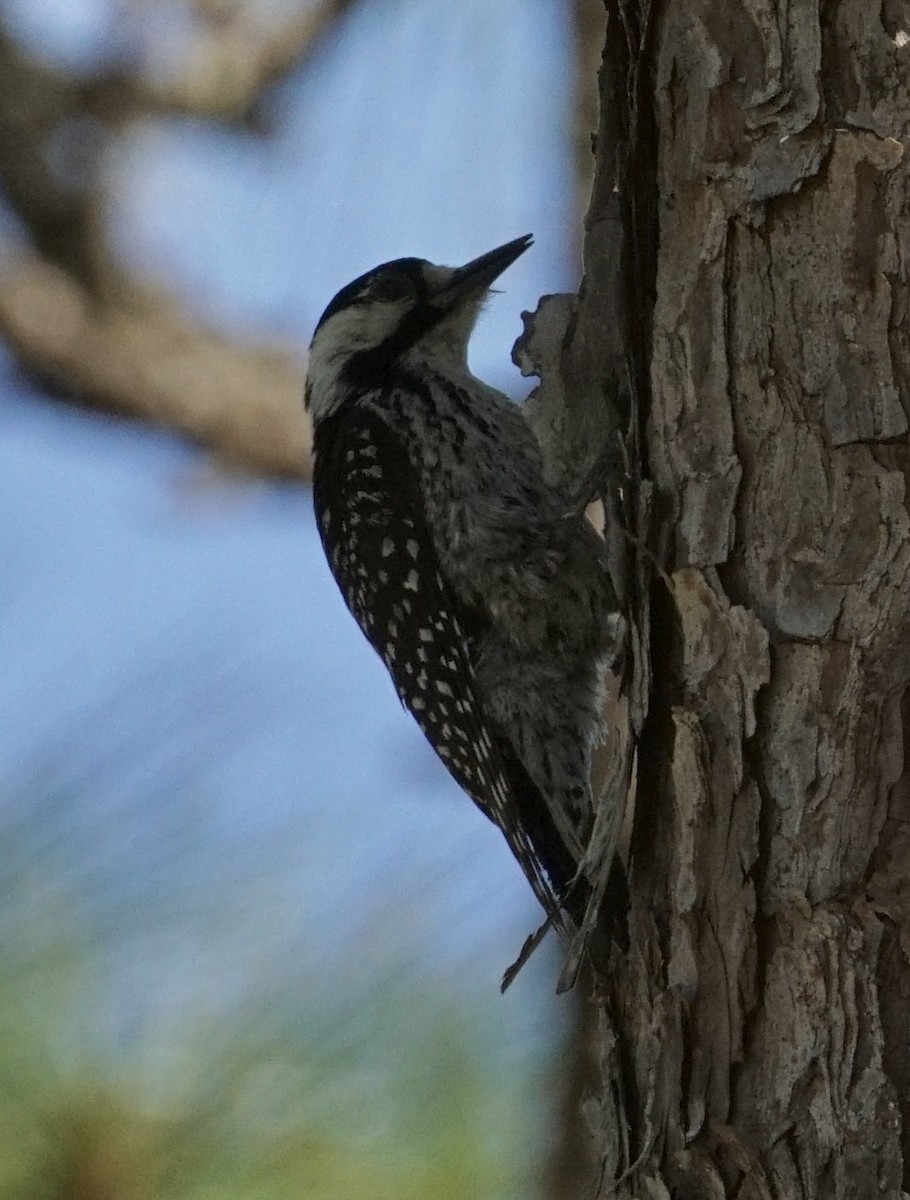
column 761, row 1010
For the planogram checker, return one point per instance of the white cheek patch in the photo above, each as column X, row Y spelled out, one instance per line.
column 354, row 329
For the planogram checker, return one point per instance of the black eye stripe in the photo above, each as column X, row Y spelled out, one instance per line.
column 389, row 287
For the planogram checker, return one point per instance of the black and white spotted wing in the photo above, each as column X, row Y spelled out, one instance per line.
column 385, row 564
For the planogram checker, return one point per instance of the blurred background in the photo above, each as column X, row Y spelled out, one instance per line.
column 251, row 935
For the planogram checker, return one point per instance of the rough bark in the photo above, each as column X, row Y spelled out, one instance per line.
column 744, row 315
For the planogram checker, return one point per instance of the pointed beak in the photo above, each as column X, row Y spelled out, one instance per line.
column 474, row 278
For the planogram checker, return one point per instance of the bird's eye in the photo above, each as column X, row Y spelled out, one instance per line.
column 391, row 287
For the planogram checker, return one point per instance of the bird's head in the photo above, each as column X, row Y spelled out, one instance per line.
column 405, row 310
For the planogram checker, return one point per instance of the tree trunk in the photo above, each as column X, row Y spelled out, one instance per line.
column 742, row 332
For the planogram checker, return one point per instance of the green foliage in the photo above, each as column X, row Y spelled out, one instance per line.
column 171, row 1030
column 386, row 1096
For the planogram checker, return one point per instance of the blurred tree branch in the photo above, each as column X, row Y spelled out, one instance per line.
column 233, row 60
column 148, row 360
column 43, row 114
column 70, row 313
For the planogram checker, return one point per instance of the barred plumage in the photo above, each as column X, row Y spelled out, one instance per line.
column 487, row 600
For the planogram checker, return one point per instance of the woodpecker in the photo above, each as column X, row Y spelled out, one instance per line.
column 484, row 591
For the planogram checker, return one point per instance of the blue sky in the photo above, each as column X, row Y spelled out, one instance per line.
column 185, row 700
